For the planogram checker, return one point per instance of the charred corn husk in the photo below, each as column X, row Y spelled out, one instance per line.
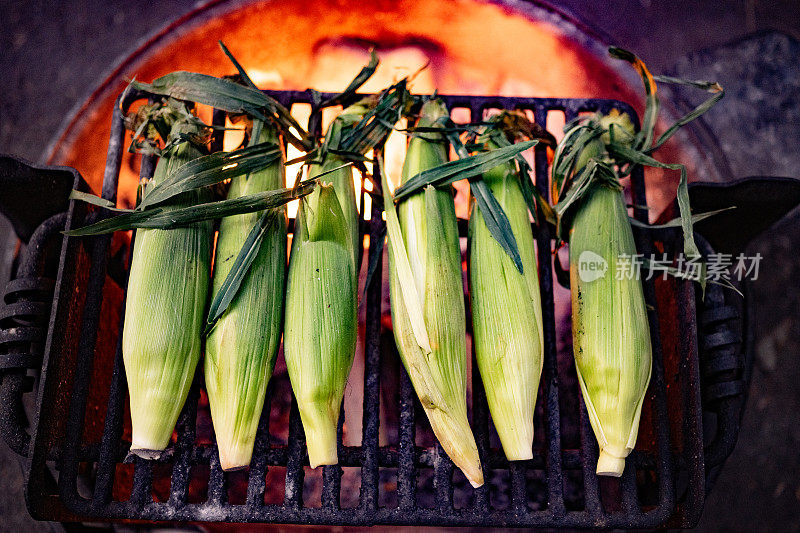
column 164, row 311
column 507, row 315
column 436, row 358
column 611, row 335
column 321, row 298
column 242, row 347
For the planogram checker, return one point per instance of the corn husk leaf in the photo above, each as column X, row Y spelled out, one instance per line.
column 212, row 169
column 507, row 314
column 684, row 207
column 677, row 222
column 538, row 206
column 408, row 287
column 321, row 320
column 376, row 123
column 494, row 216
column 164, row 309
column 228, row 96
column 241, row 266
column 611, row 333
column 429, row 234
column 165, row 217
column 565, row 160
column 639, row 151
column 246, row 313
column 360, row 79
column 242, row 72
column 460, row 169
column 96, row 200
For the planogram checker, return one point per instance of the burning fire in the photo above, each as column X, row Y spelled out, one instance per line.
column 469, row 47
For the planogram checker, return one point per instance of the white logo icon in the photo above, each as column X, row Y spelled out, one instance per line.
column 591, row 266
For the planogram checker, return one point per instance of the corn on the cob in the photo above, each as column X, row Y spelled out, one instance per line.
column 164, row 312
column 507, row 315
column 242, row 347
column 611, row 335
column 429, row 236
column 321, row 299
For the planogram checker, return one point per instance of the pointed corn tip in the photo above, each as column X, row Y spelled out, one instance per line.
column 519, row 454
column 147, row 454
column 234, row 468
column 148, row 442
column 610, row 465
column 321, row 453
column 475, row 477
column 320, row 430
column 234, row 457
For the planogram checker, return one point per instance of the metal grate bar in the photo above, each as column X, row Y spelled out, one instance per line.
column 332, row 478
column 331, row 486
column 142, row 482
column 114, row 156
column 256, row 483
column 90, row 325
column 332, row 474
column 591, row 488
column 294, row 464
column 368, row 499
column 217, row 486
column 218, row 120
column 555, row 483
column 443, row 479
column 658, row 386
column 114, row 420
column 519, row 495
column 480, row 407
column 179, row 483
column 480, row 415
column 113, row 427
column 630, row 501
column 406, row 471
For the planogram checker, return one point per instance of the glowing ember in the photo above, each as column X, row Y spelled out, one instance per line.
column 471, row 47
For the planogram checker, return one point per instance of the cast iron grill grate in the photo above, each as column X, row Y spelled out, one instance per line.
column 663, row 482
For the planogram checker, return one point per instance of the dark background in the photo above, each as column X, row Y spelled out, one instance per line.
column 53, row 53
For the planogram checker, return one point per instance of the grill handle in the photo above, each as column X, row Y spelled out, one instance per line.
column 725, row 336
column 24, row 316
column 724, row 361
column 35, row 200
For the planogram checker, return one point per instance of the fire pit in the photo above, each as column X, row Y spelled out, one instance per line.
column 401, row 482
column 399, row 476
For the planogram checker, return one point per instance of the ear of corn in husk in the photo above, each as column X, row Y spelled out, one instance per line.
column 321, row 297
column 165, row 309
column 427, row 297
column 242, row 347
column 611, row 334
column 507, row 314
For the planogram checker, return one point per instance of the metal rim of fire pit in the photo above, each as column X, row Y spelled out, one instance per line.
column 662, row 469
column 591, row 38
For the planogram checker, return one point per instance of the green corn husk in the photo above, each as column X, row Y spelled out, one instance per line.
column 610, row 330
column 242, row 348
column 507, row 315
column 611, row 333
column 429, row 234
column 164, row 311
column 321, row 298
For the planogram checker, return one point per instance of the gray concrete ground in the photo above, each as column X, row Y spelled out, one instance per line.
column 52, row 54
